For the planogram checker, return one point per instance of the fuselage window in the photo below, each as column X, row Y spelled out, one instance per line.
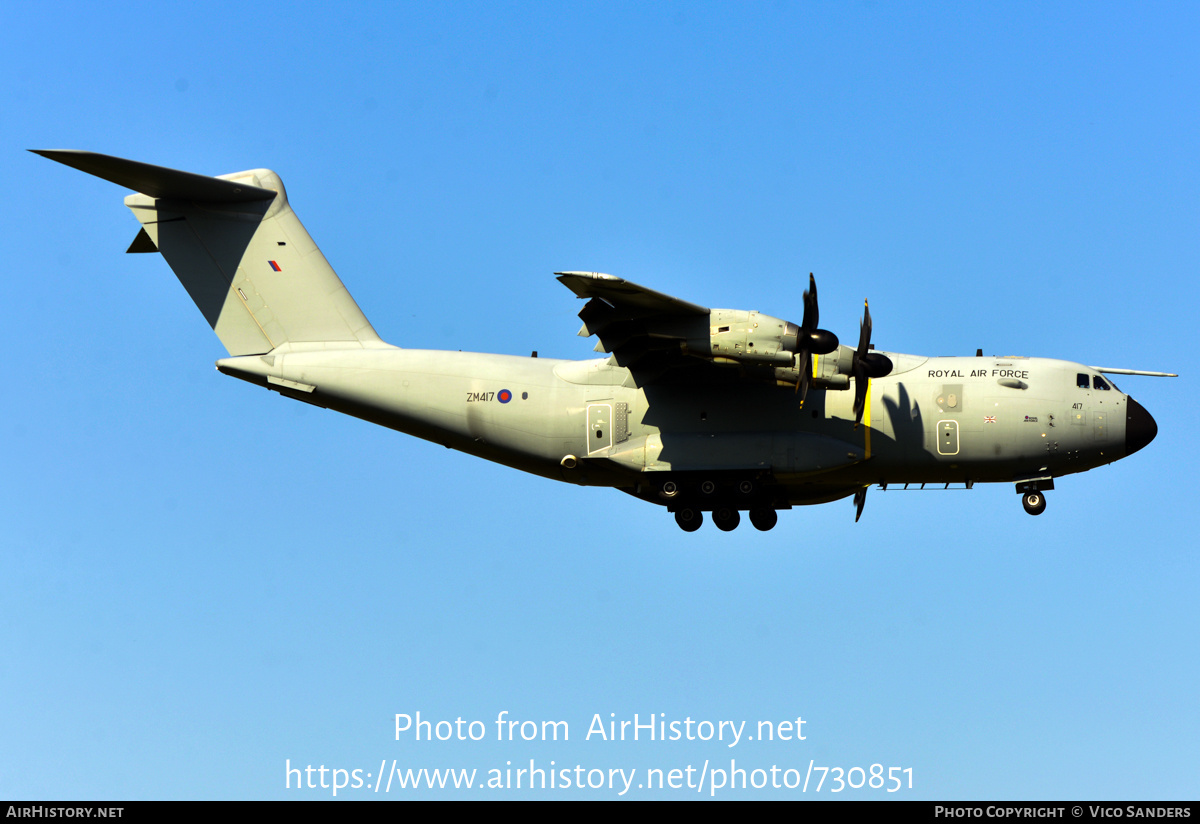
column 1081, row 380
column 1099, row 383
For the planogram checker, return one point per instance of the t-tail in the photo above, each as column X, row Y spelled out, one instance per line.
column 240, row 251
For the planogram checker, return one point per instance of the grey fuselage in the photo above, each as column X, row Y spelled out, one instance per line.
column 932, row 420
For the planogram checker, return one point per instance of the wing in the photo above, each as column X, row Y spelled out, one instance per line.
column 642, row 328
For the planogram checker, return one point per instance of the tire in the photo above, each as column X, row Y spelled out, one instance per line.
column 689, row 518
column 1034, row 502
column 764, row 519
column 726, row 518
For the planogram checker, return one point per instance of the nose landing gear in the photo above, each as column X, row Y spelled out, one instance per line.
column 1034, row 502
column 1033, row 494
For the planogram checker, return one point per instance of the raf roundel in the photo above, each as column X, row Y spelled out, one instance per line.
column 504, row 396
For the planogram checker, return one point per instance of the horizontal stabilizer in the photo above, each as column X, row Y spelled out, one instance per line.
column 157, row 181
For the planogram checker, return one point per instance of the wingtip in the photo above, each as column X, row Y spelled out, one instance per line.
column 51, row 153
column 592, row 275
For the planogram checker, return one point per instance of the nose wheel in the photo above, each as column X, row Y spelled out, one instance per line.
column 1034, row 502
column 1033, row 493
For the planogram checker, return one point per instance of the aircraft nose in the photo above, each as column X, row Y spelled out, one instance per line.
column 1140, row 428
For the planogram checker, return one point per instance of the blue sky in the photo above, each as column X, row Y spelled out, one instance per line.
column 204, row 582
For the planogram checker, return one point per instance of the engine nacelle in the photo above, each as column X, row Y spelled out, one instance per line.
column 750, row 337
column 755, row 338
column 832, row 370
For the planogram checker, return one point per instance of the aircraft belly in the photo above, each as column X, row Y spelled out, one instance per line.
column 781, row 453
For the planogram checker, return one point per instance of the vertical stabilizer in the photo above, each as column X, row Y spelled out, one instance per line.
column 240, row 251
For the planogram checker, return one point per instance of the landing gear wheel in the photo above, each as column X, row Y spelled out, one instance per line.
column 668, row 490
column 689, row 519
column 708, row 487
column 1034, row 502
column 726, row 518
column 763, row 519
column 746, row 487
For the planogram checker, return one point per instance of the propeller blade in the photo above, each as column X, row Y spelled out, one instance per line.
column 810, row 340
column 804, row 338
column 811, row 313
column 860, row 498
column 859, row 365
column 866, row 365
column 860, row 394
column 864, row 333
column 805, row 377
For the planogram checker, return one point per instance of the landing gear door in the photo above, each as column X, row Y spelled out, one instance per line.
column 600, row 427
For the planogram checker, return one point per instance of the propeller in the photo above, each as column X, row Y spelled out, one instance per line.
column 860, row 498
column 866, row 365
column 810, row 340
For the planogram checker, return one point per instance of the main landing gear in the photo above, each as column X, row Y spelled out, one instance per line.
column 725, row 497
column 726, row 518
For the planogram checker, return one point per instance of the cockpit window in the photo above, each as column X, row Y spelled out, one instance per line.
column 1099, row 383
column 1081, row 380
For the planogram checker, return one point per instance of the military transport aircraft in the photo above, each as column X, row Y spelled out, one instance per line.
column 697, row 409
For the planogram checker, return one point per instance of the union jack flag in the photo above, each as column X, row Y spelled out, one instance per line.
column 989, row 419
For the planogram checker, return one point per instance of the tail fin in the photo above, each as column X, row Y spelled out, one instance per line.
column 240, row 251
